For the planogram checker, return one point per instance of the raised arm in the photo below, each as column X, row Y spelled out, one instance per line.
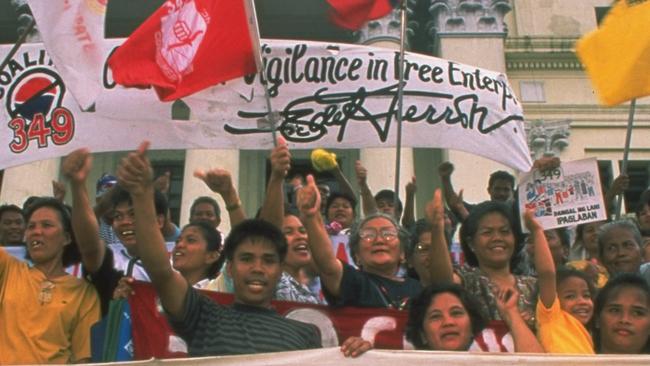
column 136, row 176
column 543, row 261
column 408, row 217
column 75, row 168
column 220, row 181
column 367, row 199
column 440, row 268
column 330, row 268
column 454, row 201
column 523, row 338
column 273, row 206
column 619, row 186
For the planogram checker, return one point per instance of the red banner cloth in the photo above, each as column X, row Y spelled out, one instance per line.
column 153, row 337
column 186, row 46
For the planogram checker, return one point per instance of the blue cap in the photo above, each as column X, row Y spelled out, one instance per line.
column 105, row 183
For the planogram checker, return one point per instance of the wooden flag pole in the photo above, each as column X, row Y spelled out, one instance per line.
column 626, row 153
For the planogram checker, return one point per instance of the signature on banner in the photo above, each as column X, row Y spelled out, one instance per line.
column 302, row 122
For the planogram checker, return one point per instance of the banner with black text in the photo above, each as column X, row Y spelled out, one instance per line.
column 328, row 95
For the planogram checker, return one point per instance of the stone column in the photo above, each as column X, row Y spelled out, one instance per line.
column 385, row 32
column 471, row 32
column 34, row 179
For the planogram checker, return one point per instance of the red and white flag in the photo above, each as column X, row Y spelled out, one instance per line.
column 186, row 46
column 353, row 14
column 73, row 35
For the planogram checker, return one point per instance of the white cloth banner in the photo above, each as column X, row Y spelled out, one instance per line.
column 328, row 95
column 73, row 34
column 334, row 357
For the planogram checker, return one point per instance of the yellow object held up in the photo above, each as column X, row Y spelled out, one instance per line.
column 323, row 160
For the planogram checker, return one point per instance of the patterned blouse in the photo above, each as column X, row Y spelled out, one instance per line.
column 479, row 285
column 289, row 289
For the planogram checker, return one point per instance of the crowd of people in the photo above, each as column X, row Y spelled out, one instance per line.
column 551, row 293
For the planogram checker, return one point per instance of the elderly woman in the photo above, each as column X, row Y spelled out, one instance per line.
column 620, row 248
column 46, row 313
column 377, row 245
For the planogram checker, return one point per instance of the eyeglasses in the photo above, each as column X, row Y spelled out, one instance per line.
column 370, row 235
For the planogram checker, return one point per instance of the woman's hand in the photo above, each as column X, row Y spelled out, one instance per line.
column 355, row 347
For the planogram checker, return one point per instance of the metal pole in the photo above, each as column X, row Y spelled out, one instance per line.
column 19, row 42
column 400, row 98
column 626, row 153
column 251, row 15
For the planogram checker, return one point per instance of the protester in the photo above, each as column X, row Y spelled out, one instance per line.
column 565, row 305
column 340, row 211
column 196, row 256
column 377, row 244
column 105, row 266
column 206, row 209
column 296, row 271
column 558, row 243
column 622, row 313
column 46, row 313
column 385, row 201
column 12, row 226
column 501, row 187
column 490, row 245
column 619, row 246
column 255, row 251
column 642, row 213
column 445, row 317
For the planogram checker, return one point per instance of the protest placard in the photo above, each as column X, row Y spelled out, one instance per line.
column 565, row 196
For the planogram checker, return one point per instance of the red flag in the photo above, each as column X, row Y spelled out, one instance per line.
column 353, row 14
column 186, row 46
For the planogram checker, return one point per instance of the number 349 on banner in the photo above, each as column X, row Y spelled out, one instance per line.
column 60, row 130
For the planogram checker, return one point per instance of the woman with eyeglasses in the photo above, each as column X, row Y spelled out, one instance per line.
column 377, row 245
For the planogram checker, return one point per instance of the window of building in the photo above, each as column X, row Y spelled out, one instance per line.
column 532, row 91
column 639, row 173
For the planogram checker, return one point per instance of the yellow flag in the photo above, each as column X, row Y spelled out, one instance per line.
column 617, row 55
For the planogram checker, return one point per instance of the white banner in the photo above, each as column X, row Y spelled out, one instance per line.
column 566, row 196
column 334, row 357
column 328, row 95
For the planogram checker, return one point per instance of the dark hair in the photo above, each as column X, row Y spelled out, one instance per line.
column 501, row 175
column 643, row 201
column 621, row 224
column 10, row 208
column 389, row 195
column 120, row 195
column 71, row 253
column 355, row 232
column 419, row 305
column 610, row 290
column 255, row 228
column 345, row 196
column 213, row 243
column 470, row 226
column 208, row 200
column 28, row 202
column 564, row 273
column 580, row 230
column 421, row 226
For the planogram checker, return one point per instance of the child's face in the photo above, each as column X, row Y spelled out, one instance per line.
column 575, row 298
column 625, row 321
